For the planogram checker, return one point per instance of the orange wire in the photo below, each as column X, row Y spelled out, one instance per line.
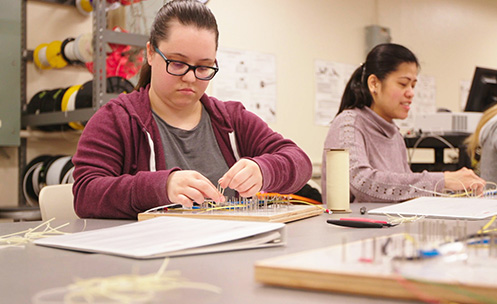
column 292, row 196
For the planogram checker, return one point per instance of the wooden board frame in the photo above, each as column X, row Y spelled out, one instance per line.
column 309, row 270
column 281, row 215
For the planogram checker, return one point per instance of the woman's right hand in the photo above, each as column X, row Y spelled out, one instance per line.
column 187, row 186
column 463, row 179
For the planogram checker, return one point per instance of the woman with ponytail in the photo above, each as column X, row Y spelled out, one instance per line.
column 379, row 91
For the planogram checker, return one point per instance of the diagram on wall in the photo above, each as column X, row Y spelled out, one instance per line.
column 248, row 77
column 331, row 78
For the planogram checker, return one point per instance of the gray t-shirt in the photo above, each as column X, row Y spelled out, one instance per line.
column 194, row 149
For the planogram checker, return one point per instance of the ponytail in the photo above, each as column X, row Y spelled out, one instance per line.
column 356, row 94
column 145, row 76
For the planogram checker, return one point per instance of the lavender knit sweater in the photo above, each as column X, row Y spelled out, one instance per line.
column 379, row 171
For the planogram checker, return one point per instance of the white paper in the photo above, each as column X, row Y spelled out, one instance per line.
column 443, row 207
column 464, row 87
column 331, row 79
column 168, row 236
column 248, row 77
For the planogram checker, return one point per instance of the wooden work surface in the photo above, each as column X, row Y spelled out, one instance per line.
column 283, row 214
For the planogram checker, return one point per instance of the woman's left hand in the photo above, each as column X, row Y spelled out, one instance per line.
column 245, row 177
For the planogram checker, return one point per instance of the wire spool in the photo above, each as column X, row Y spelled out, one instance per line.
column 68, row 104
column 41, row 181
column 115, row 85
column 54, row 55
column 66, row 173
column 83, row 47
column 68, row 177
column 48, row 56
column 84, row 7
column 84, row 98
column 51, row 102
column 53, row 174
column 29, row 193
column 48, row 101
column 67, row 51
column 40, row 57
column 35, row 102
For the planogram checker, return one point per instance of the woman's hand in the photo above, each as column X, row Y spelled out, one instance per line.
column 245, row 177
column 188, row 186
column 463, row 179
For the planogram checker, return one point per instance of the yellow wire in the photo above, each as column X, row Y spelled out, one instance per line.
column 484, row 229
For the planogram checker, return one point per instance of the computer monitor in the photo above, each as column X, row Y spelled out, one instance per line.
column 483, row 92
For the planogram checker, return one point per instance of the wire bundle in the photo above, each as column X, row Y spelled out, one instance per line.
column 130, row 288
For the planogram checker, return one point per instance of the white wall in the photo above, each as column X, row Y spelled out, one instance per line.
column 298, row 33
column 450, row 37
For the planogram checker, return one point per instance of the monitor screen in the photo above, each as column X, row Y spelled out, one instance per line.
column 483, row 91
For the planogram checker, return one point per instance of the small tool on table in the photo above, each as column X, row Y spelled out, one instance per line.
column 360, row 223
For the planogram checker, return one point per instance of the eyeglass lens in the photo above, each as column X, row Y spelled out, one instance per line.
column 180, row 68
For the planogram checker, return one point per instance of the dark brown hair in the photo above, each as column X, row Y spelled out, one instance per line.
column 186, row 12
column 381, row 61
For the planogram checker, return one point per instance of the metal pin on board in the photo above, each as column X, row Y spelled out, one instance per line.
column 374, row 250
column 344, row 249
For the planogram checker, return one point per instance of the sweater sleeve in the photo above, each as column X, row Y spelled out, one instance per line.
column 372, row 184
column 285, row 167
column 109, row 180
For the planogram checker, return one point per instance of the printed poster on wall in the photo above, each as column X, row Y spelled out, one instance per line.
column 331, row 78
column 248, row 77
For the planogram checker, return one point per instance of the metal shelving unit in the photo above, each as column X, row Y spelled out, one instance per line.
column 101, row 36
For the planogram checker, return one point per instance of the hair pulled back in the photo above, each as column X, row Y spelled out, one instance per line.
column 382, row 60
column 186, row 12
column 473, row 141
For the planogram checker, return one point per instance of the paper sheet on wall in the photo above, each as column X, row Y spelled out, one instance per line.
column 248, row 77
column 464, row 87
column 331, row 78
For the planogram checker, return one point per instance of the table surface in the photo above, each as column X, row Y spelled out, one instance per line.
column 31, row 269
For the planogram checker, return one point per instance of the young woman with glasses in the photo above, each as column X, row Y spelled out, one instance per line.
column 168, row 142
column 379, row 91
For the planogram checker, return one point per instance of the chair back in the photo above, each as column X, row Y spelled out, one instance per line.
column 56, row 201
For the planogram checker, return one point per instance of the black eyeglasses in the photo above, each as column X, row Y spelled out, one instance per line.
column 180, row 68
